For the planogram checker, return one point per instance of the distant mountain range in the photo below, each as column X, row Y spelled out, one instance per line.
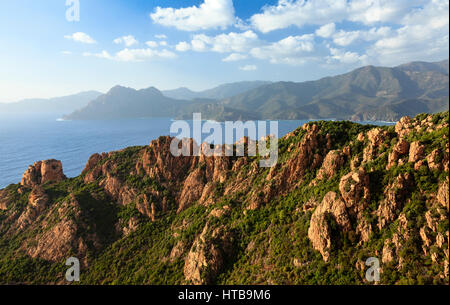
column 123, row 102
column 57, row 105
column 365, row 94
column 218, row 93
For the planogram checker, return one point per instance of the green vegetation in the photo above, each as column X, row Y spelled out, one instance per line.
column 270, row 244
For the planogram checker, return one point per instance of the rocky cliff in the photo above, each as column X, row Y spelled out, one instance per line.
column 340, row 193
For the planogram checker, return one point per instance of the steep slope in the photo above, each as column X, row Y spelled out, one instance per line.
column 59, row 105
column 218, row 93
column 340, row 193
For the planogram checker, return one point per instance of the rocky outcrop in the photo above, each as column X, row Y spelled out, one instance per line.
column 364, row 229
column 388, row 253
column 393, row 246
column 394, row 199
column 4, row 200
column 426, row 239
column 400, row 149
column 37, row 203
column 56, row 243
column 354, row 188
column 93, row 169
column 307, row 156
column 319, row 231
column 333, row 161
column 130, row 227
column 42, row 172
column 192, row 189
column 376, row 138
column 220, row 212
column 58, row 240
column 433, row 160
column 158, row 162
column 416, row 152
column 177, row 251
column 443, row 194
column 403, row 127
column 38, row 198
column 207, row 255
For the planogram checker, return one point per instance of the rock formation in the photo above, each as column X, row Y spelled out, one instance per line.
column 42, row 172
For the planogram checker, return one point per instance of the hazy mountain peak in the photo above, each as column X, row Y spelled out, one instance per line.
column 119, row 89
column 151, row 90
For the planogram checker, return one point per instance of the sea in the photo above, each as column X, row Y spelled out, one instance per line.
column 26, row 138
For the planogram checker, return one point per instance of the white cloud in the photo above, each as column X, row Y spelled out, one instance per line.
column 103, row 54
column 424, row 35
column 291, row 50
column 161, row 36
column 163, row 43
column 298, row 13
column 241, row 25
column 183, row 46
column 319, row 12
column 81, row 37
column 372, row 11
column 126, row 40
column 235, row 57
column 143, row 54
column 343, row 38
column 152, row 44
column 326, row 30
column 134, row 55
column 198, row 44
column 346, row 57
column 211, row 14
column 66, row 52
column 248, row 68
column 225, row 43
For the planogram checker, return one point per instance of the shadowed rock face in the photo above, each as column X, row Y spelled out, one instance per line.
column 42, row 172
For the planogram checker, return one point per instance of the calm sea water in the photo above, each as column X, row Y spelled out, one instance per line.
column 25, row 139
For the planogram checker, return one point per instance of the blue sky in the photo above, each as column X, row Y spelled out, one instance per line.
column 203, row 43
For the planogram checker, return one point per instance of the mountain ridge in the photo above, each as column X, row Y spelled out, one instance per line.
column 365, row 94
